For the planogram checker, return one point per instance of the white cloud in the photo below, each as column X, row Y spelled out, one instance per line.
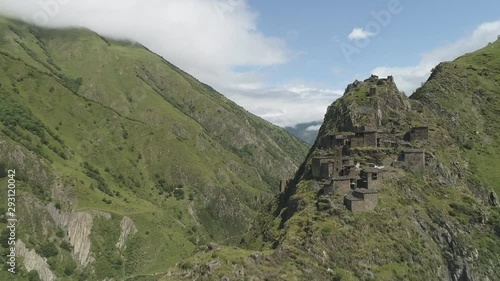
column 206, row 38
column 359, row 33
column 287, row 105
column 409, row 78
column 313, row 128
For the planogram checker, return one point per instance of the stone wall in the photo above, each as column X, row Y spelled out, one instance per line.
column 370, row 139
column 370, row 201
column 316, row 165
column 342, row 186
column 419, row 134
column 372, row 179
column 361, row 200
column 414, row 160
column 354, row 204
column 327, row 170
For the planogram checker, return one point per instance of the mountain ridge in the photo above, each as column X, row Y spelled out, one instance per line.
column 127, row 163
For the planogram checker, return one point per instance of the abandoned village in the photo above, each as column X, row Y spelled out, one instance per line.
column 335, row 169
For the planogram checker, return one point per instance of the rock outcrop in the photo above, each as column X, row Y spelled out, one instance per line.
column 78, row 226
column 33, row 261
column 128, row 227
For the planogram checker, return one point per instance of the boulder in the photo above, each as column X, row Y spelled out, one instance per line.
column 493, row 198
column 212, row 246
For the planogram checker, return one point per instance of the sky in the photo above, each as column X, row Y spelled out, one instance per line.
column 284, row 60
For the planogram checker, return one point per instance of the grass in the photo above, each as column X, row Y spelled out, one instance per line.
column 107, row 120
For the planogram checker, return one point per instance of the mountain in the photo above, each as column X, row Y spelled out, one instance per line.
column 394, row 188
column 305, row 131
column 124, row 164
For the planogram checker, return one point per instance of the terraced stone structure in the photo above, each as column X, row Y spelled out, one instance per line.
column 371, row 178
column 365, row 138
column 414, row 159
column 343, row 177
column 419, row 133
column 332, row 141
column 361, row 200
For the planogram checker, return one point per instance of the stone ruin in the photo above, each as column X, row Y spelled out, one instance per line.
column 361, row 137
column 365, row 138
column 341, row 176
column 371, row 178
column 412, row 159
column 361, row 200
column 338, row 173
column 418, row 134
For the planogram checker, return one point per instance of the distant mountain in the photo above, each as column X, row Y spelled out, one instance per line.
column 306, row 131
column 426, row 208
column 124, row 163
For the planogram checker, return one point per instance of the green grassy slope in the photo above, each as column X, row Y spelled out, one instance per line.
column 93, row 124
column 436, row 225
column 466, row 93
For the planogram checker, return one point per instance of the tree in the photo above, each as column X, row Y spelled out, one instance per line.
column 33, row 276
column 4, row 238
column 3, row 171
column 49, row 250
column 179, row 194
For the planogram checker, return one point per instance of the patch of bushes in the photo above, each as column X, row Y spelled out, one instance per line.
column 41, row 192
column 65, row 245
column 4, row 238
column 179, row 194
column 13, row 114
column 60, row 233
column 48, row 250
column 33, row 276
column 72, row 84
column 163, row 185
column 3, row 171
column 94, row 173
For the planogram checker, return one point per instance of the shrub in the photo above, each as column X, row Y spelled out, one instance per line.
column 60, row 233
column 49, row 250
column 66, row 246
column 4, row 238
column 179, row 194
column 33, row 276
column 93, row 173
column 69, row 270
column 3, row 171
column 41, row 192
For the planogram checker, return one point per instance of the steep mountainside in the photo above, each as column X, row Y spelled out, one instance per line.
column 124, row 163
column 440, row 221
column 305, row 131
